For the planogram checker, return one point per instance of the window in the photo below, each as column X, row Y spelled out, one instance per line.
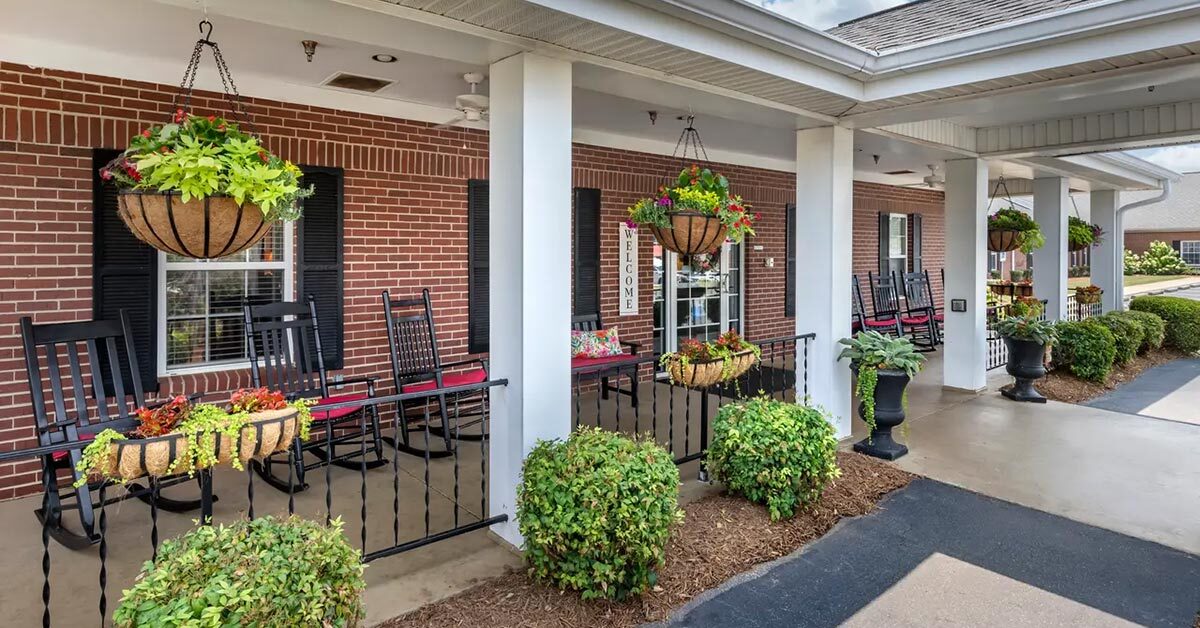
column 1190, row 251
column 897, row 244
column 200, row 301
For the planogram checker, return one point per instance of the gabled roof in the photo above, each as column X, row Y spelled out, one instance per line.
column 923, row 20
column 1179, row 212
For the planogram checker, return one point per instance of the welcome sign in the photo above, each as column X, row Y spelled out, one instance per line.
column 629, row 271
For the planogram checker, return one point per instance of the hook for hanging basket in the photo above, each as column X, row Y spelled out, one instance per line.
column 186, row 84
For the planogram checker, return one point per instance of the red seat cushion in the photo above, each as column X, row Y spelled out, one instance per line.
column 914, row 320
column 461, row 378
column 583, row 362
column 59, row 455
column 337, row 413
column 939, row 317
column 875, row 323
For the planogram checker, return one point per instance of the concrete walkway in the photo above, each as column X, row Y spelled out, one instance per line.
column 1168, row 391
column 1162, row 286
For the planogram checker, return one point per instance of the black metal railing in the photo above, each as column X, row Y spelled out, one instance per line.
column 634, row 397
column 446, row 484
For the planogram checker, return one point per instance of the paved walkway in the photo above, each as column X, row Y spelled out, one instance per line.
column 1163, row 286
column 1168, row 391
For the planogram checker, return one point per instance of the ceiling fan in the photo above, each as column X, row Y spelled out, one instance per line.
column 472, row 107
column 932, row 180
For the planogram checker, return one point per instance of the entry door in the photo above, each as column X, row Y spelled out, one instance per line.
column 699, row 297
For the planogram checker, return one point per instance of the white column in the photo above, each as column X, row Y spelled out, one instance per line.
column 530, row 163
column 1051, row 198
column 1107, row 258
column 964, row 356
column 824, row 251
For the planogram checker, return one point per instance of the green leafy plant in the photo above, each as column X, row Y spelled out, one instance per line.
column 1082, row 234
column 1182, row 318
column 596, row 511
column 1127, row 336
column 1024, row 323
column 870, row 352
column 1030, row 238
column 728, row 344
column 97, row 455
column 199, row 157
column 266, row 572
column 1154, row 328
column 696, row 190
column 1161, row 259
column 1133, row 263
column 775, row 453
column 1087, row 348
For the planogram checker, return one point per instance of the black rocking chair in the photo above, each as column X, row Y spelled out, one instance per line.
column 285, row 343
column 920, row 306
column 81, row 406
column 417, row 367
column 887, row 323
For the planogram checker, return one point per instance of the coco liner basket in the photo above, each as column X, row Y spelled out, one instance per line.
column 1003, row 240
column 705, row 374
column 691, row 233
column 268, row 432
column 202, row 228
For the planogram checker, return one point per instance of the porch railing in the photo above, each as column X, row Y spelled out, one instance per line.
column 446, row 487
column 997, row 352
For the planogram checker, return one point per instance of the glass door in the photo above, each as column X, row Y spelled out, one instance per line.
column 698, row 297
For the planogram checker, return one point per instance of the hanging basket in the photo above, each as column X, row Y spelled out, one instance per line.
column 1003, row 240
column 691, row 233
column 1087, row 297
column 268, row 432
column 705, row 374
column 200, row 228
column 1076, row 247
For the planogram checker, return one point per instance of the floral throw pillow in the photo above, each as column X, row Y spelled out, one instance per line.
column 601, row 343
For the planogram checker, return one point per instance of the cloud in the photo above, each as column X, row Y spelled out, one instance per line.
column 825, row 14
column 1183, row 158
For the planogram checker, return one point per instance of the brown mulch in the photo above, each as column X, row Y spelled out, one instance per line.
column 1061, row 385
column 721, row 536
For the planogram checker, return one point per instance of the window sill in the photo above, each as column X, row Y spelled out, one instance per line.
column 200, row 369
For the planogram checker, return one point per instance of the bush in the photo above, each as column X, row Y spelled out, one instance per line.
column 1182, row 317
column 774, row 452
column 1154, row 328
column 1087, row 347
column 265, row 572
column 1161, row 259
column 596, row 511
column 1133, row 263
column 1127, row 334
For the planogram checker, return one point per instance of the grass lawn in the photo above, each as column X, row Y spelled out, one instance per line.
column 1130, row 280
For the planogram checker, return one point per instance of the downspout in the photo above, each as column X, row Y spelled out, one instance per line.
column 1120, row 236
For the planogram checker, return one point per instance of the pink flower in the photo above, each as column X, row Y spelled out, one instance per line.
column 630, row 223
column 665, row 201
column 106, row 175
column 146, row 133
column 179, row 115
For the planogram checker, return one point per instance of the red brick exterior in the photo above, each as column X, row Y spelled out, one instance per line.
column 405, row 219
column 1139, row 241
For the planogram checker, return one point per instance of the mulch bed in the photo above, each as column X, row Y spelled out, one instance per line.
column 721, row 536
column 1061, row 385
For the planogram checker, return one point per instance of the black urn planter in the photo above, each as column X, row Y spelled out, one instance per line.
column 889, row 412
column 1025, row 364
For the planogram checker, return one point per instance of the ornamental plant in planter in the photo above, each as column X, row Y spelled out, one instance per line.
column 200, row 187
column 1088, row 295
column 1027, row 337
column 696, row 214
column 1010, row 229
column 1082, row 234
column 181, row 437
column 885, row 366
column 702, row 364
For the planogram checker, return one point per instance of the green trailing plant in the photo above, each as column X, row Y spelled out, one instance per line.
column 203, row 428
column 1087, row 348
column 696, row 190
column 870, row 352
column 773, row 452
column 1127, row 336
column 200, row 157
column 596, row 511
column 1161, row 259
column 1154, row 328
column 97, row 455
column 1181, row 316
column 1024, row 323
column 267, row 572
column 1030, row 238
column 1082, row 234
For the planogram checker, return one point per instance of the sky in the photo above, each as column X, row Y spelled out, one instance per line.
column 825, row 14
column 1182, row 158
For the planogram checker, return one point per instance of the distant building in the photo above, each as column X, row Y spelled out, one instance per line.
column 1175, row 220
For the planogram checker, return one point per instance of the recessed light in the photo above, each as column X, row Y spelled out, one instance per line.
column 384, row 58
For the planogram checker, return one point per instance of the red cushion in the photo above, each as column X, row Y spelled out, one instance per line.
column 337, row 413
column 461, row 378
column 59, row 455
column 914, row 320
column 875, row 323
column 584, row 362
column 939, row 317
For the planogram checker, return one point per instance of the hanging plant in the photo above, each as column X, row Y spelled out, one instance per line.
column 1010, row 229
column 1082, row 234
column 202, row 186
column 702, row 364
column 1088, row 295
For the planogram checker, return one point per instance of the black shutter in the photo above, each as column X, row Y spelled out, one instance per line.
column 915, row 221
column 320, row 253
column 1177, row 245
column 585, row 298
column 124, row 277
column 789, row 285
column 477, row 266
column 883, row 244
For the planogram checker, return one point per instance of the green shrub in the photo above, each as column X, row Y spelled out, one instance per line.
column 1182, row 317
column 1087, row 348
column 1161, row 259
column 1154, row 328
column 774, row 452
column 1127, row 334
column 265, row 572
column 1133, row 263
column 596, row 511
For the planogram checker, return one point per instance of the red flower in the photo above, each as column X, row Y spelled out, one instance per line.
column 758, row 216
column 212, row 118
column 146, row 133
column 179, row 115
column 105, row 174
column 165, row 149
column 221, row 128
column 262, row 154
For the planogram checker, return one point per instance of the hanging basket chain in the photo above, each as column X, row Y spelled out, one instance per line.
column 1000, row 183
column 186, row 84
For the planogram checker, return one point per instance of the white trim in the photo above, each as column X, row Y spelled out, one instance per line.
column 658, row 147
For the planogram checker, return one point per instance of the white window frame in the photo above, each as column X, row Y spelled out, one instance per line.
column 286, row 265
column 1194, row 244
column 903, row 232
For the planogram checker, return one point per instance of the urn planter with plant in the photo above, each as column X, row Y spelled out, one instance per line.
column 1027, row 337
column 702, row 364
column 884, row 367
column 695, row 214
column 1082, row 234
column 1010, row 229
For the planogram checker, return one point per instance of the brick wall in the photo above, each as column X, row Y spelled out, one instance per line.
column 405, row 219
column 871, row 199
column 1139, row 241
